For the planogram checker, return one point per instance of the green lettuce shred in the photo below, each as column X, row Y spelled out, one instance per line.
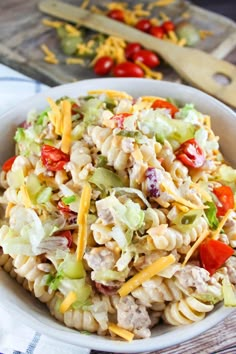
column 211, row 215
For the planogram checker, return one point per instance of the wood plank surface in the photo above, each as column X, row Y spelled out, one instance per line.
column 22, row 33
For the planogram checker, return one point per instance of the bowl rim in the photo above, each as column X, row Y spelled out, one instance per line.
column 142, row 345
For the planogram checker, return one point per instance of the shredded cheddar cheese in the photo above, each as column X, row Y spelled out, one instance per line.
column 84, row 4
column 182, row 200
column 67, row 126
column 163, row 16
column 160, row 3
column 173, row 36
column 25, row 197
column 205, row 33
column 110, row 93
column 68, row 301
column 73, row 61
column 145, row 274
column 8, row 209
column 51, row 60
column 50, row 57
column 55, row 116
column 112, row 47
column 121, row 332
column 82, row 219
column 96, row 10
column 148, row 72
column 53, row 24
column 207, row 121
column 72, row 30
column 182, row 42
column 215, row 234
column 195, row 246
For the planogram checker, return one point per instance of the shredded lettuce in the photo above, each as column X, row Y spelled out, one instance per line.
column 44, row 195
column 69, row 199
column 79, row 286
column 78, row 131
column 185, row 221
column 108, row 275
column 158, row 125
column 208, row 298
column 189, row 114
column 71, row 267
column 210, row 214
column 229, row 293
column 15, row 179
column 126, row 190
column 201, row 136
column 101, row 161
column 105, row 179
column 91, row 111
column 226, row 174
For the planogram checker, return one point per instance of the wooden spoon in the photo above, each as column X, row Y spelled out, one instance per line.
column 194, row 66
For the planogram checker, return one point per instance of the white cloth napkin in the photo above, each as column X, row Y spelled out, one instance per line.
column 15, row 337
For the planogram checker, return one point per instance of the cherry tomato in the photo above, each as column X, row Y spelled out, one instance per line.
column 157, row 31
column 168, row 26
column 119, row 118
column 213, row 255
column 63, row 207
column 164, row 104
column 8, row 164
column 117, row 14
column 75, row 108
column 190, row 154
column 146, row 57
column 131, row 49
column 67, row 234
column 225, row 197
column 127, row 69
column 103, row 65
column 53, row 159
column 143, row 25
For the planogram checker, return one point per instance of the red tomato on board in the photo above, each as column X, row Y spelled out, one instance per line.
column 103, row 65
column 213, row 254
column 225, row 197
column 191, row 154
column 168, row 26
column 117, row 14
column 157, row 31
column 147, row 57
column 165, row 104
column 131, row 49
column 8, row 164
column 127, row 69
column 53, row 159
column 143, row 25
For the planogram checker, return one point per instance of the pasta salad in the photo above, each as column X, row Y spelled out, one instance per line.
column 119, row 213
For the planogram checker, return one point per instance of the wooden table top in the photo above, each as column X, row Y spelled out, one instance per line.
column 221, row 338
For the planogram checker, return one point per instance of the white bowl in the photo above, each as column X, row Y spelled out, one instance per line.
column 19, row 302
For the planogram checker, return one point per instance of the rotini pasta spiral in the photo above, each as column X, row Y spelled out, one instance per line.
column 186, row 311
column 110, row 146
column 29, row 268
column 157, row 290
column 80, row 159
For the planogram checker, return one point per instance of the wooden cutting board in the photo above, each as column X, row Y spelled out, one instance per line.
column 22, row 33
